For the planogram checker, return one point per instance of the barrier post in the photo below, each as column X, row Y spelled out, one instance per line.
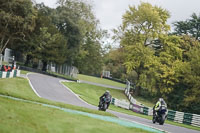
column 145, row 110
column 113, row 101
column 187, row 118
column 171, row 115
column 1, row 74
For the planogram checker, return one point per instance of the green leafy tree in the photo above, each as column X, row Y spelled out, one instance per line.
column 51, row 47
column 143, row 23
column 45, row 43
column 140, row 26
column 191, row 79
column 189, row 27
column 114, row 62
column 76, row 21
column 17, row 20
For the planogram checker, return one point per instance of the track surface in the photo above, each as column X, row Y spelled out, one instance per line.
column 51, row 88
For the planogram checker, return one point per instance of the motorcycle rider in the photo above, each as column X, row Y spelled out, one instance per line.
column 107, row 96
column 160, row 104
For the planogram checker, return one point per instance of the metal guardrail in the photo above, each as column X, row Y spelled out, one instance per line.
column 13, row 73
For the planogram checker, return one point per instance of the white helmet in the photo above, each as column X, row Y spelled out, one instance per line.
column 160, row 99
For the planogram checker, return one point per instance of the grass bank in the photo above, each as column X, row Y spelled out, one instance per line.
column 21, row 117
column 24, row 72
column 100, row 80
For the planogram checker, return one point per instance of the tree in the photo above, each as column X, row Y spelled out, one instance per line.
column 189, row 27
column 51, row 47
column 76, row 21
column 143, row 24
column 17, row 20
column 140, row 26
column 45, row 43
column 191, row 79
column 114, row 63
column 66, row 18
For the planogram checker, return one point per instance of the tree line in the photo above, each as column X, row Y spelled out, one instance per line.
column 69, row 33
column 159, row 62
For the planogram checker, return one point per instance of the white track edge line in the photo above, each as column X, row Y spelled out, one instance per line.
column 32, row 85
column 73, row 92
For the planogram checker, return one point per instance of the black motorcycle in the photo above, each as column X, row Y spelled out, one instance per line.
column 103, row 104
column 160, row 116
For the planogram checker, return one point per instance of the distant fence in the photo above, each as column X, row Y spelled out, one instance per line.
column 135, row 106
column 63, row 69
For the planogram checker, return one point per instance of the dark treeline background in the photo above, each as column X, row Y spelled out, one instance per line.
column 160, row 62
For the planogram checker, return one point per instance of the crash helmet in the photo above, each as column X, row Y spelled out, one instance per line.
column 160, row 99
column 107, row 91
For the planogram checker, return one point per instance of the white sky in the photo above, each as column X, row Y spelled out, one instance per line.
column 110, row 12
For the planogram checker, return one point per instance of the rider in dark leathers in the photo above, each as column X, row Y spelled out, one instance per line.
column 107, row 96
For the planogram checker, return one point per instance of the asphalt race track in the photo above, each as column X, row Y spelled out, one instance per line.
column 50, row 88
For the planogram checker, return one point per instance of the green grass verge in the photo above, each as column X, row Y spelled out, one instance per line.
column 19, row 87
column 23, row 117
column 63, row 76
column 145, row 102
column 100, row 80
column 24, row 72
column 91, row 94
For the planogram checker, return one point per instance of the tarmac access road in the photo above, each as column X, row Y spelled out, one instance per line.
column 50, row 88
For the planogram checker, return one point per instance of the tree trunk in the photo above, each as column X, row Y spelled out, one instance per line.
column 28, row 59
column 4, row 45
column 44, row 67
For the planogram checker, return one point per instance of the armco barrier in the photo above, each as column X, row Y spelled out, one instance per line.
column 4, row 74
column 119, row 103
column 176, row 116
column 137, row 108
column 13, row 73
column 187, row 118
column 179, row 117
column 113, row 101
column 195, row 120
column 171, row 115
column 7, row 74
column 1, row 73
column 145, row 110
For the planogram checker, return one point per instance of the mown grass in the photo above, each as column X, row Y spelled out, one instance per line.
column 21, row 117
column 91, row 94
column 145, row 102
column 62, row 76
column 100, row 80
column 24, row 72
column 20, row 88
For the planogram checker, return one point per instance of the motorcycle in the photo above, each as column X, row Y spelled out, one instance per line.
column 103, row 104
column 160, row 116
